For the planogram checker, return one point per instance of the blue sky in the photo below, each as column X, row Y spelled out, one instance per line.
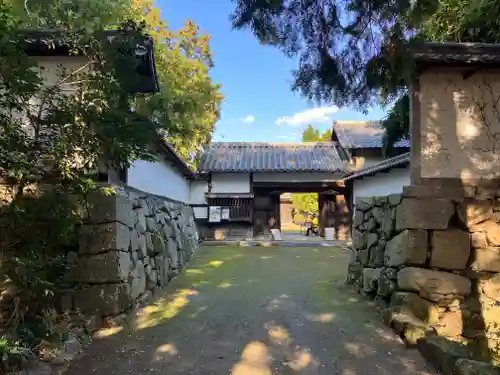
column 256, row 80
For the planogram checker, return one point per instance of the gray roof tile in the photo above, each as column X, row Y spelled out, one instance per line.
column 362, row 134
column 457, row 53
column 271, row 157
column 379, row 167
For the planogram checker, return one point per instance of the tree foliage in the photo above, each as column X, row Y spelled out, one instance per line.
column 311, row 134
column 358, row 52
column 59, row 128
column 189, row 102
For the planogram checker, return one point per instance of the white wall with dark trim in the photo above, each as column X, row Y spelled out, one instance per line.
column 231, row 183
column 384, row 183
column 197, row 193
column 161, row 178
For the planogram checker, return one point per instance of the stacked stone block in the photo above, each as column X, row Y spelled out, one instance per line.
column 435, row 262
column 132, row 244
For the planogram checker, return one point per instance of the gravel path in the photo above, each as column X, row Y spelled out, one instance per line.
column 255, row 311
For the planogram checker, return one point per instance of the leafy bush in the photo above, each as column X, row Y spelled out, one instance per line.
column 38, row 230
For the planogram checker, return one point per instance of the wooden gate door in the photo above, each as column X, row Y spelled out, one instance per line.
column 266, row 213
column 327, row 211
column 342, row 219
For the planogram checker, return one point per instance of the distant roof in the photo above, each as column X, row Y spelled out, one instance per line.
column 362, row 134
column 450, row 53
column 271, row 157
column 384, row 165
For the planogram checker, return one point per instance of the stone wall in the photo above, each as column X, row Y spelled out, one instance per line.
column 132, row 244
column 433, row 265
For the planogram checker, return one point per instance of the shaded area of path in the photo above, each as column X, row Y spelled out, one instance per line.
column 255, row 311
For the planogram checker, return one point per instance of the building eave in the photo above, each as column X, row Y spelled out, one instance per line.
column 39, row 43
column 383, row 166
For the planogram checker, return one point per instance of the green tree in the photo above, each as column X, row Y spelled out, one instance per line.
column 310, row 134
column 189, row 102
column 52, row 141
column 358, row 52
column 305, row 202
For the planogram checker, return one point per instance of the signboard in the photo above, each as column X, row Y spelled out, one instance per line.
column 214, row 214
column 225, row 214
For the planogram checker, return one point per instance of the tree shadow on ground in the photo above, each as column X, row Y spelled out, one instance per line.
column 249, row 311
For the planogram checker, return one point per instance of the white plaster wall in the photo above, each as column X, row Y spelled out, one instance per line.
column 459, row 124
column 159, row 178
column 197, row 193
column 381, row 184
column 231, row 183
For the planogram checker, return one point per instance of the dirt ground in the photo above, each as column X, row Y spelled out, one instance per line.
column 255, row 311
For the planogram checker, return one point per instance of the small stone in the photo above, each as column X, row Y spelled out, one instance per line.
column 371, row 240
column 354, row 273
column 491, row 287
column 359, row 240
column 394, row 199
column 424, row 214
column 370, row 277
column 486, row 259
column 364, row 204
column 143, row 249
column 474, row 211
column 172, row 252
column 450, row 249
column 425, row 311
column 36, row 367
column 115, row 321
column 450, row 324
column 134, row 241
column 411, row 335
column 407, row 248
column 464, row 366
column 442, row 353
column 145, row 298
column 380, row 201
column 388, row 223
column 377, row 254
column 91, row 323
column 385, row 286
column 113, row 266
column 364, row 256
column 159, row 244
column 492, row 230
column 370, row 225
column 478, row 240
column 436, row 286
column 358, row 218
column 95, row 239
column 149, row 244
column 151, row 225
column 137, row 280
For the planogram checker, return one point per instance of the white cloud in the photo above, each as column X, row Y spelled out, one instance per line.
column 313, row 115
column 248, row 119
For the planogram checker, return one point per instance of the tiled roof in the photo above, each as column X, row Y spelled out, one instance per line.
column 453, row 53
column 271, row 157
column 380, row 167
column 362, row 134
